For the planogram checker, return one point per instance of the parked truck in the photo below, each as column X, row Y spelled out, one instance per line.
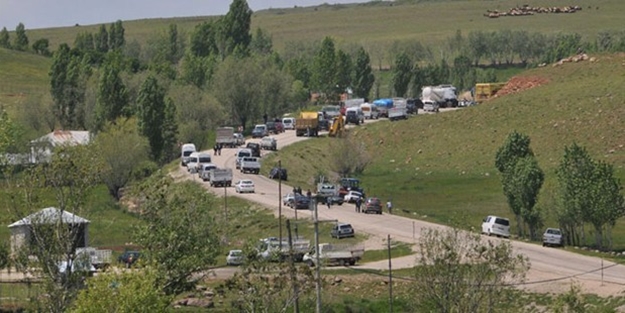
column 383, row 105
column 99, row 258
column 275, row 250
column 335, row 254
column 307, row 124
column 397, row 113
column 444, row 95
column 250, row 165
column 225, row 137
column 221, row 177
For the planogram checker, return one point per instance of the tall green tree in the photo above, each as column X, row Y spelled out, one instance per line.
column 20, row 42
column 122, row 149
column 235, row 28
column 112, row 96
column 515, row 148
column 589, row 193
column 8, row 135
column 402, row 74
column 194, row 70
column 179, row 238
column 170, row 132
column 101, row 39
column 344, row 71
column 116, row 35
column 237, row 86
column 5, row 40
column 261, row 43
column 323, row 74
column 522, row 185
column 68, row 77
column 175, row 48
column 84, row 42
column 363, row 74
column 204, row 39
column 151, row 115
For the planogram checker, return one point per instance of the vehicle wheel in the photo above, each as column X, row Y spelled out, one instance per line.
column 489, row 233
column 544, row 245
column 310, row 263
column 352, row 262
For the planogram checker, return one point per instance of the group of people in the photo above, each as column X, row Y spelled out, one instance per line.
column 217, row 149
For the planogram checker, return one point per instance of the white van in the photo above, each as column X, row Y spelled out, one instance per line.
column 193, row 161
column 369, row 111
column 185, row 152
column 202, row 158
column 494, row 225
column 288, row 123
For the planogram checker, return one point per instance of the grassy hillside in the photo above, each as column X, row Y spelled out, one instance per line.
column 22, row 75
column 378, row 23
column 441, row 167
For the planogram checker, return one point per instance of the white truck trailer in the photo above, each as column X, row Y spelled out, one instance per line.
column 221, row 177
column 443, row 95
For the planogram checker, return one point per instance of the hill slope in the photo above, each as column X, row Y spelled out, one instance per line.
column 441, row 167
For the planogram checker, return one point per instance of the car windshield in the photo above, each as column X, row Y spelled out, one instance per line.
column 374, row 201
column 246, row 182
column 502, row 221
column 235, row 253
column 260, row 127
column 244, row 154
column 205, row 159
column 187, row 153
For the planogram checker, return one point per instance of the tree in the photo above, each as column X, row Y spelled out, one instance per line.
column 170, row 132
column 263, row 286
column 515, row 148
column 69, row 176
column 41, row 47
column 261, row 43
column 522, row 185
column 363, row 74
column 116, row 36
column 122, row 149
column 589, row 193
column 203, row 40
column 175, row 44
column 8, row 134
column 344, row 71
column 180, row 236
column 402, row 73
column 349, row 156
column 102, row 40
column 275, row 87
column 112, row 96
column 68, row 77
column 5, row 40
column 459, row 272
column 122, row 292
column 151, row 115
column 20, row 42
column 237, row 86
column 84, row 42
column 323, row 74
column 235, row 28
column 194, row 70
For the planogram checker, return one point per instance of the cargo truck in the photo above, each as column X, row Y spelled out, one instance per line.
column 443, row 95
column 225, row 137
column 335, row 254
column 221, row 177
column 307, row 124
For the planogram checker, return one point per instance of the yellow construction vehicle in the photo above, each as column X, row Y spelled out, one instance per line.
column 485, row 91
column 338, row 126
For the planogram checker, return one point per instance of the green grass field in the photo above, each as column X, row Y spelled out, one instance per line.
column 379, row 23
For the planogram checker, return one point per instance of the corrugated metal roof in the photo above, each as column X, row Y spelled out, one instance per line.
column 48, row 216
column 67, row 137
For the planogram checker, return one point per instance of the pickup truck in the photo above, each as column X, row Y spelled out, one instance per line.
column 99, row 258
column 250, row 165
column 397, row 113
column 271, row 249
column 335, row 254
column 221, row 177
column 553, row 237
column 225, row 137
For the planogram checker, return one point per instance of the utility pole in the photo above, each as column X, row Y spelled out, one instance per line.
column 280, row 198
column 292, row 268
column 390, row 275
column 226, row 209
column 317, row 263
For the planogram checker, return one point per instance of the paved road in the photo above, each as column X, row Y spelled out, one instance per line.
column 552, row 270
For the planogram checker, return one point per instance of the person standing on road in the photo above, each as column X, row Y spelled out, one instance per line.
column 328, row 201
column 389, row 206
column 358, row 203
column 309, row 194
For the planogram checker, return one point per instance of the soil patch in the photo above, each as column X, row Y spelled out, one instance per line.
column 521, row 83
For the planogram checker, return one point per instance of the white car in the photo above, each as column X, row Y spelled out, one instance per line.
column 495, row 225
column 235, row 257
column 352, row 196
column 244, row 185
column 288, row 123
column 288, row 199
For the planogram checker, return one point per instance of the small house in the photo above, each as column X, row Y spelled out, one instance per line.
column 41, row 148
